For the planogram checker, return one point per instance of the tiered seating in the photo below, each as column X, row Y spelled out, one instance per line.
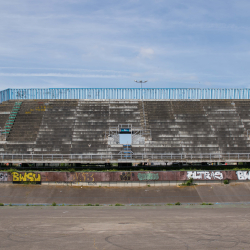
column 27, row 122
column 177, row 127
column 91, row 121
column 206, row 126
column 227, row 126
column 55, row 133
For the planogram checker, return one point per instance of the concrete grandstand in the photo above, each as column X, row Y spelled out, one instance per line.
column 192, row 125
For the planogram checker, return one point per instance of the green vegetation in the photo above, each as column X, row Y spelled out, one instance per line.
column 118, row 204
column 148, row 185
column 188, row 183
column 1, row 204
column 89, row 205
column 10, row 204
column 178, row 203
column 114, row 167
column 53, row 204
column 170, row 204
column 206, row 204
column 226, row 181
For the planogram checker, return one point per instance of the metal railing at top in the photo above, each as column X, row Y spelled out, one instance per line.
column 116, row 157
column 124, row 93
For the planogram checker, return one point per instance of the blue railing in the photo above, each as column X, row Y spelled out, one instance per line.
column 123, row 93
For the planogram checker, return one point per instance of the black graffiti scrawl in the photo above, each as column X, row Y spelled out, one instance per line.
column 126, row 176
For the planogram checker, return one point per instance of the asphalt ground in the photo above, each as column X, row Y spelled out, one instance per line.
column 41, row 194
column 127, row 227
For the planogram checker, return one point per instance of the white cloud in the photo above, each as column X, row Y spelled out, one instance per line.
column 146, row 52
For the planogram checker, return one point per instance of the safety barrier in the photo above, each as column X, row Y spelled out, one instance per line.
column 114, row 158
column 124, row 93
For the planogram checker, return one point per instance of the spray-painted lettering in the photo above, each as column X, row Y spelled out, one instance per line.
column 243, row 175
column 199, row 175
column 126, row 176
column 148, row 176
column 3, row 176
column 26, row 177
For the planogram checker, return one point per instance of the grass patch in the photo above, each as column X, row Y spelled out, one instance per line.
column 170, row 204
column 149, row 186
column 97, row 204
column 53, row 204
column 10, row 204
column 177, row 203
column 1, row 204
column 89, row 205
column 226, row 181
column 118, row 205
column 206, row 204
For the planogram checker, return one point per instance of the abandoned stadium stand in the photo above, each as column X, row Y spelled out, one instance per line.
column 162, row 130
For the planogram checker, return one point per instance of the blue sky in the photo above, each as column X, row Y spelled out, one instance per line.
column 111, row 43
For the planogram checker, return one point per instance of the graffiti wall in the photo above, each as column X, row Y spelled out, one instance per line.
column 94, row 177
column 21, row 177
column 3, row 177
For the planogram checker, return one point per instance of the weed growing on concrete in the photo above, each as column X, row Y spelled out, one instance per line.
column 118, row 204
column 178, row 203
column 1, row 204
column 149, row 186
column 188, row 183
column 53, row 204
column 206, row 204
column 226, row 181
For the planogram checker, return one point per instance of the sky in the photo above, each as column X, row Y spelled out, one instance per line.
column 111, row 43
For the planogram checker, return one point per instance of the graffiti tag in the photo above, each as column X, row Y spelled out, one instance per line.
column 3, row 177
column 198, row 175
column 148, row 176
column 126, row 176
column 243, row 175
column 26, row 177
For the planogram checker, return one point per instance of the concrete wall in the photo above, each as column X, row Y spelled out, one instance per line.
column 147, row 177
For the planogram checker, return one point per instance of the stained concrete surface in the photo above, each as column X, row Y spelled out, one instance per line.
column 128, row 227
column 23, row 194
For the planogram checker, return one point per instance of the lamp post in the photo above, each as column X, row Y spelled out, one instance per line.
column 141, row 82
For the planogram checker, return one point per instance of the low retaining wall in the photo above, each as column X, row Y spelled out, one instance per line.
column 147, row 177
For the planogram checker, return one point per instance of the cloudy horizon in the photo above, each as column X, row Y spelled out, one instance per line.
column 109, row 44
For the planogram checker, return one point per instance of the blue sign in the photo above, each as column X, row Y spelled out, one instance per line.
column 125, row 130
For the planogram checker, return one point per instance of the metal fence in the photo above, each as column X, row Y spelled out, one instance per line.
column 105, row 158
column 123, row 93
